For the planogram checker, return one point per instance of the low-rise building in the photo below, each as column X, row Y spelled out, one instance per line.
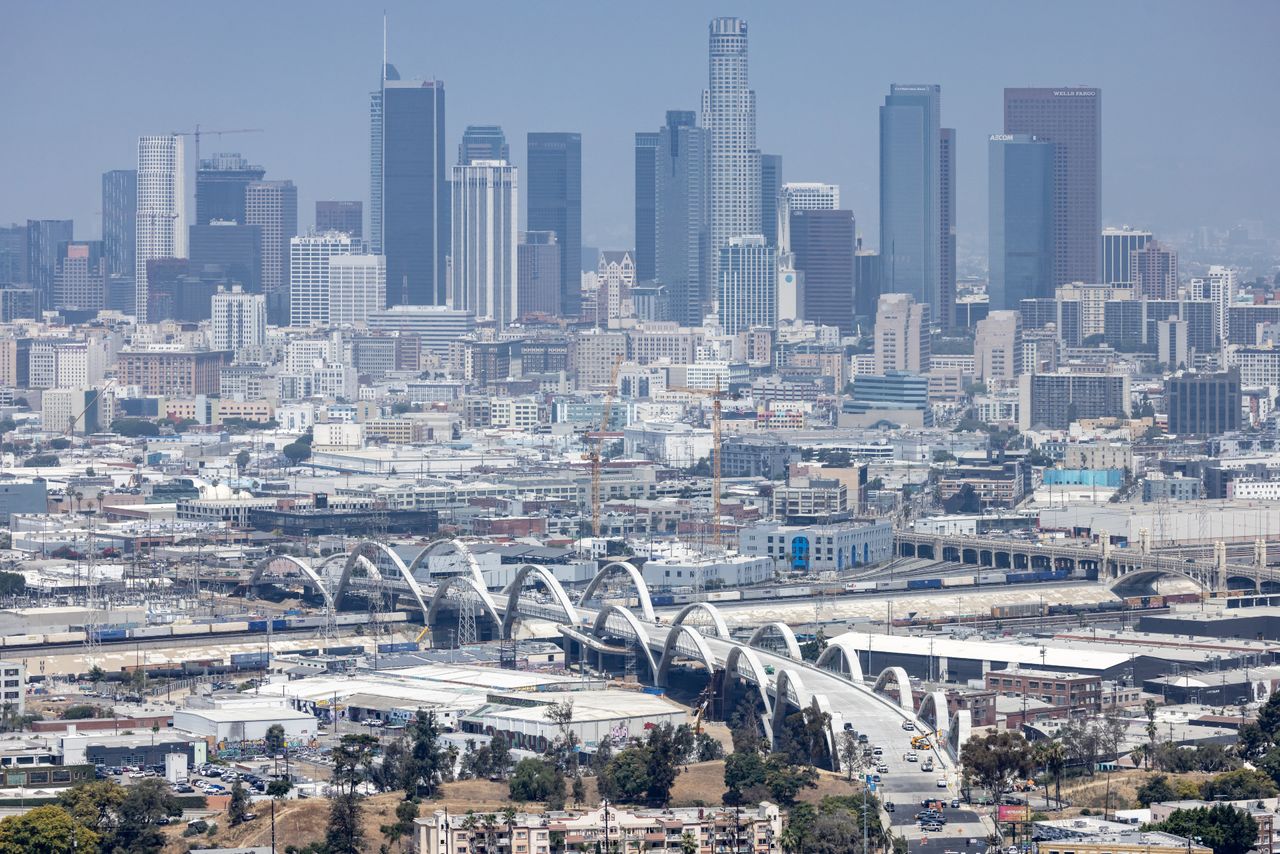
column 747, row 831
column 835, row 547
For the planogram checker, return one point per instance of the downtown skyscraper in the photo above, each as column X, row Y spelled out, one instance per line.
column 485, row 228
column 409, row 187
column 220, row 188
column 162, row 211
column 1020, row 220
column 119, row 220
column 1071, row 118
column 682, row 217
column 911, row 195
column 555, row 204
column 483, row 142
column 273, row 207
column 729, row 117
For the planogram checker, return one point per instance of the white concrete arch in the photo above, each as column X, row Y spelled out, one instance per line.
column 792, row 646
column 934, row 712
column 841, row 656
column 637, row 581
column 717, row 619
column 669, row 652
column 449, row 544
column 365, row 553
column 788, row 684
column 442, row 592
column 305, row 568
column 733, row 668
column 552, row 583
column 641, row 637
column 901, row 686
column 959, row 731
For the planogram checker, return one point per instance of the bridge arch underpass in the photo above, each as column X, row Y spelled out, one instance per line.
column 367, row 554
column 1139, row 581
column 742, row 665
column 897, row 679
column 778, row 638
column 560, row 602
column 695, row 648
column 789, row 691
column 618, row 622
column 934, row 712
column 462, row 586
column 841, row 656
column 636, row 579
column 446, row 546
column 306, row 573
column 718, row 626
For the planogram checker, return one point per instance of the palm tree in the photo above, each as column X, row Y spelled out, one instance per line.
column 1056, row 764
column 509, row 816
column 688, row 844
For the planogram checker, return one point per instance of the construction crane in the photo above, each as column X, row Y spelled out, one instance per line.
column 595, row 449
column 97, row 394
column 715, row 394
column 196, row 134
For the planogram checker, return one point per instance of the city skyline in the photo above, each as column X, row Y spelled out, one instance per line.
column 837, row 146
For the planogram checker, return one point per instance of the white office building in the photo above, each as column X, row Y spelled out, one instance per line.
column 729, row 117
column 162, row 210
column 239, row 320
column 485, row 230
column 309, row 275
column 436, row 325
column 748, row 285
column 357, row 288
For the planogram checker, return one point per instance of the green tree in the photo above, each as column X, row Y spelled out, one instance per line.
column 79, row 712
column 134, row 427
column 785, row 780
column 995, row 759
column 94, row 805
column 12, row 584
column 137, row 828
column 1156, row 790
column 239, row 806
column 274, row 739
column 742, row 773
column 810, row 650
column 533, row 780
column 579, row 791
column 667, row 748
column 242, row 461
column 1222, row 827
column 396, row 831
column 40, row 461
column 279, row 789
column 425, row 765
column 343, row 834
column 1239, row 785
column 48, row 829
column 626, row 778
column 297, row 451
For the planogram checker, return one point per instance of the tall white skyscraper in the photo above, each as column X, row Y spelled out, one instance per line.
column 357, row 288
column 729, row 116
column 485, row 230
column 803, row 196
column 748, row 292
column 162, row 209
column 309, row 274
column 239, row 320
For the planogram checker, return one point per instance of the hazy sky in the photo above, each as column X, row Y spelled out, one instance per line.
column 1191, row 111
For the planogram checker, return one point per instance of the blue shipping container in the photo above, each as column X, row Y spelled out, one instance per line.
column 257, row 625
column 924, row 584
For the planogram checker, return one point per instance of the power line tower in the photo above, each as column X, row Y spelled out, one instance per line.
column 467, row 618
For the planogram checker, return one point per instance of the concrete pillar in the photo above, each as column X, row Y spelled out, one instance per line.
column 1260, row 553
column 943, row 676
column 1144, row 541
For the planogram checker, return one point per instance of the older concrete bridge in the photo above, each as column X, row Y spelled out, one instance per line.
column 1117, row 566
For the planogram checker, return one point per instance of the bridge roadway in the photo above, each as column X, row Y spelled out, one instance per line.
column 853, row 703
